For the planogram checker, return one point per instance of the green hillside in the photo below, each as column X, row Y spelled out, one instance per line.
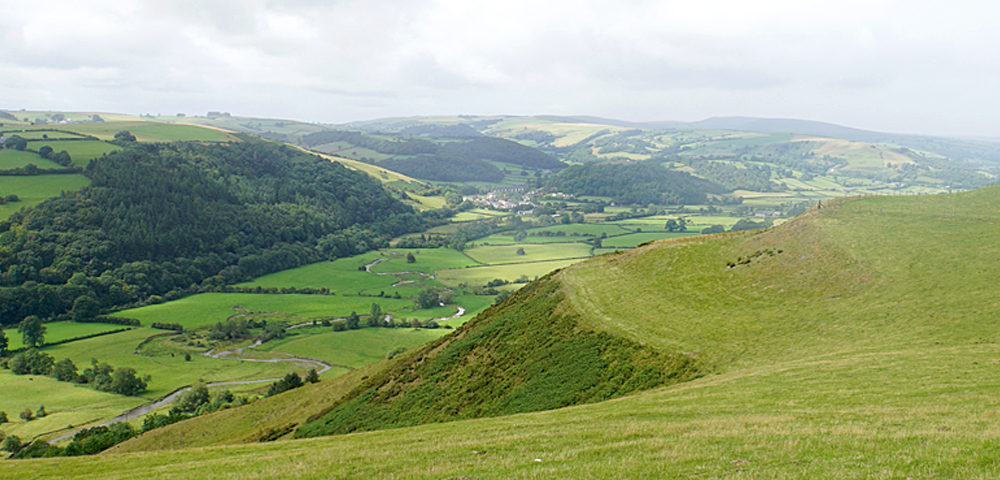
column 858, row 340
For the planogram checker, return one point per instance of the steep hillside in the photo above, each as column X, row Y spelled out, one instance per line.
column 858, row 340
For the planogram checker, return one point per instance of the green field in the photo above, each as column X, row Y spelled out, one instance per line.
column 11, row 159
column 351, row 348
column 502, row 254
column 341, row 275
column 633, row 240
column 65, row 403
column 81, row 151
column 208, row 308
column 57, row 331
column 481, row 275
column 145, row 131
column 428, row 260
column 33, row 189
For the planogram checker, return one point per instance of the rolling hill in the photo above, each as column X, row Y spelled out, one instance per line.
column 857, row 340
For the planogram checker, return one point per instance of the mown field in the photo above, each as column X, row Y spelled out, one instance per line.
column 862, row 347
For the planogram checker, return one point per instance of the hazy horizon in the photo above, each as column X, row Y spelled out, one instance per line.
column 884, row 66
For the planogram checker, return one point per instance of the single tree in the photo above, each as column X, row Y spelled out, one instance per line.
column 125, row 382
column 124, row 136
column 375, row 316
column 353, row 321
column 11, row 444
column 3, row 343
column 66, row 371
column 520, row 251
column 27, row 415
column 41, row 412
column 3, row 417
column 32, row 331
column 312, row 377
column 410, row 258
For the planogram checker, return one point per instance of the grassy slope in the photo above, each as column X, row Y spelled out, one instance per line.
column 864, row 349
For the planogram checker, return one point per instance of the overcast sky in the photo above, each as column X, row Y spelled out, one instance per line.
column 892, row 66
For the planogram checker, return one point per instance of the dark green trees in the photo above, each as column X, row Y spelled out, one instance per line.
column 32, row 331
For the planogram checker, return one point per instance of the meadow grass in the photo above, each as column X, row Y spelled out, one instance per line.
column 341, row 275
column 510, row 272
column 11, row 159
column 57, row 331
column 32, row 190
column 146, row 131
column 427, row 260
column 501, row 254
column 635, row 239
column 65, row 403
column 81, row 151
column 351, row 348
column 206, row 309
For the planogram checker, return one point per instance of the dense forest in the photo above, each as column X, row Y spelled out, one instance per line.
column 639, row 183
column 460, row 158
column 170, row 219
column 506, row 151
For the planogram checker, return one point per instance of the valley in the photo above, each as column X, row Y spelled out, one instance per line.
column 583, row 297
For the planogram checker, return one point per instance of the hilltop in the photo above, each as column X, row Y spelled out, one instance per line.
column 855, row 340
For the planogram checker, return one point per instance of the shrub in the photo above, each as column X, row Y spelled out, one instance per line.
column 11, row 444
column 27, row 415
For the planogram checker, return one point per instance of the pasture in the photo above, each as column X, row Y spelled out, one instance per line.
column 32, row 190
column 58, row 331
column 146, row 131
column 502, row 254
column 11, row 159
column 206, row 309
column 81, row 151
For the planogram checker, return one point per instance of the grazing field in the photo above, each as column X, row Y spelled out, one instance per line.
column 340, row 275
column 352, row 348
column 58, row 331
column 208, row 308
column 32, row 190
column 11, row 159
column 428, row 260
column 145, row 131
column 65, row 403
column 511, row 272
column 81, row 151
column 531, row 253
column 633, row 240
column 163, row 361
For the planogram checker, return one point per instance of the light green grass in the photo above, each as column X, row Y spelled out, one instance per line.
column 57, row 331
column 32, row 190
column 208, row 308
column 145, row 131
column 11, row 159
column 635, row 239
column 352, row 348
column 81, row 151
column 481, row 275
column 532, row 253
column 427, row 260
column 341, row 276
column 65, row 403
column 164, row 361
